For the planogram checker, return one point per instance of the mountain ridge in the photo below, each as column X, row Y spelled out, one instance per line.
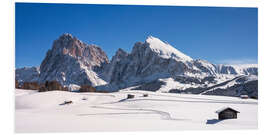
column 72, row 62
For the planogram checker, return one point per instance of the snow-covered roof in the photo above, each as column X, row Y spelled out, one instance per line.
column 225, row 108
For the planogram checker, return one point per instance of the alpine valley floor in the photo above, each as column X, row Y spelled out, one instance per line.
column 43, row 112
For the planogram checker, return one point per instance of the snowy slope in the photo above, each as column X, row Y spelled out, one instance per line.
column 244, row 69
column 165, row 50
column 111, row 112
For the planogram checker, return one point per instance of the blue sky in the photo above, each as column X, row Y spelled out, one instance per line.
column 217, row 34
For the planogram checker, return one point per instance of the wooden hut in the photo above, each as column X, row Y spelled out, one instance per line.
column 130, row 96
column 227, row 113
column 145, row 95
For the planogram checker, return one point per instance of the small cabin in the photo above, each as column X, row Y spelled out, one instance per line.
column 227, row 113
column 84, row 98
column 67, row 102
column 145, row 95
column 244, row 96
column 130, row 96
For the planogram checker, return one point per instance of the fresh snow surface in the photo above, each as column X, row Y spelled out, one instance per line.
column 165, row 50
column 93, row 76
column 73, row 87
column 170, row 83
column 245, row 65
column 252, row 78
column 42, row 112
column 242, row 67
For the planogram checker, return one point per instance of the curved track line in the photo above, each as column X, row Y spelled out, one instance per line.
column 162, row 100
column 163, row 115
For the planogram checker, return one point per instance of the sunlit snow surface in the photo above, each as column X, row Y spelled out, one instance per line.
column 165, row 50
column 42, row 112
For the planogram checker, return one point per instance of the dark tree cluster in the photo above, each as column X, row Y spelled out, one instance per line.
column 47, row 86
column 52, row 85
column 87, row 88
column 30, row 86
column 17, row 86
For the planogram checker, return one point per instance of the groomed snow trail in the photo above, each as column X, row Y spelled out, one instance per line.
column 164, row 115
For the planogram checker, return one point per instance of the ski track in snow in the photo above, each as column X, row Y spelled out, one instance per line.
column 163, row 115
column 97, row 95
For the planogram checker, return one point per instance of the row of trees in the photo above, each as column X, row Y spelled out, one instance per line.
column 47, row 86
column 50, row 86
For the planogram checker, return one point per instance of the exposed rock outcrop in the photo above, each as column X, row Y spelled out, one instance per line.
column 70, row 61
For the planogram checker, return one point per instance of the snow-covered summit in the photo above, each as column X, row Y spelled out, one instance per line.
column 165, row 50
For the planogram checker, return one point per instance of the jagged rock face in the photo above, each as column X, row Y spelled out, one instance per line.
column 71, row 61
column 151, row 65
column 155, row 59
column 212, row 69
column 148, row 61
column 205, row 67
column 91, row 55
column 110, row 68
column 27, row 74
column 237, row 70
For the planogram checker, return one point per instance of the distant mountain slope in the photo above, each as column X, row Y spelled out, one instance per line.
column 245, row 69
column 154, row 60
column 27, row 74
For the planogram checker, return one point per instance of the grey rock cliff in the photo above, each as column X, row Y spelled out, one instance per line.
column 71, row 61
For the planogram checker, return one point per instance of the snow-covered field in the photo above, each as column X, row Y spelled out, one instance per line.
column 43, row 112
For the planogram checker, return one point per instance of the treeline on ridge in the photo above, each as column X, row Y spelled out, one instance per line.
column 50, row 86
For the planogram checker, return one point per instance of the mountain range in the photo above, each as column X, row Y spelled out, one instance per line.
column 152, row 65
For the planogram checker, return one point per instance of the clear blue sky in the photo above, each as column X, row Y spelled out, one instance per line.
column 219, row 35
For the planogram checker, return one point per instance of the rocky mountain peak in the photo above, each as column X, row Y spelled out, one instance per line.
column 70, row 61
column 120, row 54
column 69, row 45
column 153, row 62
column 66, row 36
column 66, row 44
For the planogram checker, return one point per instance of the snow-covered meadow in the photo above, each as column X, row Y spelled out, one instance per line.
column 43, row 112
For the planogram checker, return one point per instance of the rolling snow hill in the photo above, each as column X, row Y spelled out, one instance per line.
column 112, row 111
